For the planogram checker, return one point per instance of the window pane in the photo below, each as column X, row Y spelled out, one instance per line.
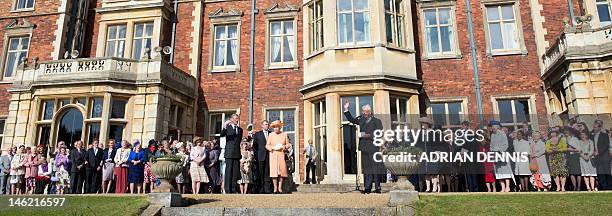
column 603, row 11
column 444, row 14
column 219, row 53
column 112, row 32
column 288, row 27
column 507, row 12
column 11, row 64
column 454, row 111
column 122, row 31
column 149, row 29
column 344, row 5
column 274, row 115
column 232, row 52
column 352, row 101
column 96, row 107
column 25, row 43
column 287, row 49
column 389, row 28
column 432, row 40
column 94, row 132
column 48, row 109
column 496, row 36
column 522, row 110
column 110, row 48
column 361, row 4
column 288, row 120
column 219, row 32
column 510, row 36
column 345, row 28
column 232, row 31
column 430, row 17
column 2, row 121
column 118, row 108
column 115, row 132
column 387, row 5
column 275, row 28
column 44, row 134
column 317, row 114
column 275, row 49
column 138, row 30
column 14, row 43
column 492, row 13
column 505, row 111
column 445, row 34
column 439, row 113
column 215, row 123
column 362, row 27
column 137, row 48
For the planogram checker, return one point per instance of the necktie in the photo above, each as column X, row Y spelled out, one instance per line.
column 266, row 134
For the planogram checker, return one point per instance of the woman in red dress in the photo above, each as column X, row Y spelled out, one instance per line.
column 488, row 166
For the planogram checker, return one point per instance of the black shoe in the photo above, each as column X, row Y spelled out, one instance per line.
column 377, row 191
column 366, row 191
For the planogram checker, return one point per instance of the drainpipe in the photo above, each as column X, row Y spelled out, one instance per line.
column 252, row 63
column 174, row 14
column 571, row 12
column 474, row 61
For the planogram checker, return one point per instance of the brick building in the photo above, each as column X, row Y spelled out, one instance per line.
column 101, row 63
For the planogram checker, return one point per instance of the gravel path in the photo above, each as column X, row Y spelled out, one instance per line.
column 332, row 200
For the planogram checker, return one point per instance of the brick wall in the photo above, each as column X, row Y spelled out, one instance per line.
column 499, row 75
column 273, row 88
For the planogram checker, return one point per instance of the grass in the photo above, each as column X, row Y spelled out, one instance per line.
column 85, row 205
column 516, row 204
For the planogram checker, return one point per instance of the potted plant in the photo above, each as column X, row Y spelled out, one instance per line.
column 166, row 168
column 404, row 168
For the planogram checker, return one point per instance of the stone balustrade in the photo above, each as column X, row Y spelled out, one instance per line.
column 578, row 43
column 105, row 69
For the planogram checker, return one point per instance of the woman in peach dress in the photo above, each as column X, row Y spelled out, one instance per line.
column 278, row 143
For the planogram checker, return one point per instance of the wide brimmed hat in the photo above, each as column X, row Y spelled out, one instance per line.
column 426, row 120
column 276, row 124
column 197, row 138
column 494, row 122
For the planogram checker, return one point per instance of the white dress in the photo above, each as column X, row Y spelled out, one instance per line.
column 521, row 167
column 499, row 144
column 538, row 149
column 586, row 166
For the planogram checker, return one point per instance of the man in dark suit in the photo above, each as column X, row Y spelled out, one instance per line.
column 471, row 169
column 260, row 139
column 233, row 136
column 602, row 156
column 367, row 125
column 77, row 169
column 93, row 169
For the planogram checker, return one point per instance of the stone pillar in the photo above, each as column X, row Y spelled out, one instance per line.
column 138, row 116
column 104, row 124
column 413, row 110
column 334, row 139
column 382, row 107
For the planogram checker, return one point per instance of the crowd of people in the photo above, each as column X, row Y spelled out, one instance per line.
column 573, row 151
column 125, row 167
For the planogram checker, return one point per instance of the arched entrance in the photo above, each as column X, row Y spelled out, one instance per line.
column 70, row 127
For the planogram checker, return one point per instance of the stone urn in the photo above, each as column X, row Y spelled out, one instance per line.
column 166, row 169
column 402, row 193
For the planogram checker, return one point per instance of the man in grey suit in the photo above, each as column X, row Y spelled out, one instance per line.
column 5, row 169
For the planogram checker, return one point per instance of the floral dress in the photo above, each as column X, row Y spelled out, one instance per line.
column 245, row 167
column 556, row 149
column 180, row 178
column 61, row 174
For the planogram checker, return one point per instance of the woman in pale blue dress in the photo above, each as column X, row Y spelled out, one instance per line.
column 521, row 168
column 587, row 152
column 499, row 144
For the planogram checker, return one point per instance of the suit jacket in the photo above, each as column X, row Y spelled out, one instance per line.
column 259, row 146
column 603, row 147
column 108, row 151
column 77, row 158
column 94, row 160
column 233, row 136
column 366, row 143
column 5, row 164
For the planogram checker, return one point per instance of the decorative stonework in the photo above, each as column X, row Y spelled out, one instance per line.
column 220, row 13
column 277, row 8
column 20, row 24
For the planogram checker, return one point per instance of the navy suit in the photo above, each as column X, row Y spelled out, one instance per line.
column 263, row 166
column 233, row 137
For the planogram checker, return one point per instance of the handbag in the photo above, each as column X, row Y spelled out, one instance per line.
column 14, row 181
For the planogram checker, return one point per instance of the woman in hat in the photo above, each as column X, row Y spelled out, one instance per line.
column 499, row 144
column 149, row 177
column 278, row 143
column 136, row 168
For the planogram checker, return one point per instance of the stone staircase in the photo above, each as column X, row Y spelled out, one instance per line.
column 335, row 188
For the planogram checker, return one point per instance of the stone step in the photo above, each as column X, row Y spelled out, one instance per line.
column 335, row 188
column 380, row 211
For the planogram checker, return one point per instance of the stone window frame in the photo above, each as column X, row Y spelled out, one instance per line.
column 224, row 113
column 430, row 4
column 176, row 117
column 14, row 29
column 446, row 100
column 14, row 8
column 129, row 35
column 531, row 98
column 516, row 5
column 221, row 17
column 296, row 132
column 322, row 126
column 277, row 13
column 403, row 38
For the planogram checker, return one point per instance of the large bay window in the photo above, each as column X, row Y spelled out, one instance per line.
column 353, row 21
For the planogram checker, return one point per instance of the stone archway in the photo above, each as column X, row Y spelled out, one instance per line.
column 69, row 126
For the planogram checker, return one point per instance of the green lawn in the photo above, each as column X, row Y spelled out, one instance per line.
column 517, row 204
column 85, row 205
